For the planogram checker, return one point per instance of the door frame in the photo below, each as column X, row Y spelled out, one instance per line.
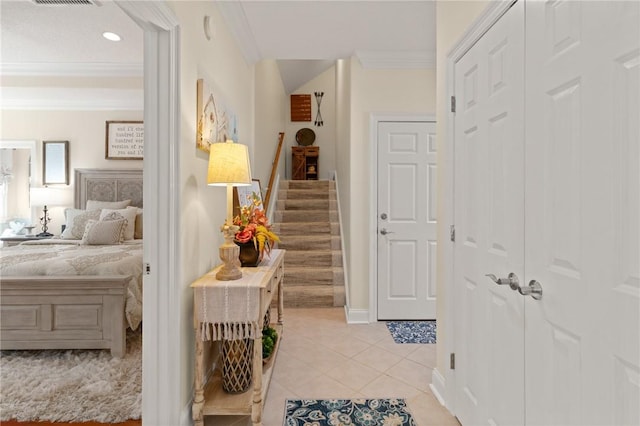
column 443, row 382
column 374, row 120
column 161, row 317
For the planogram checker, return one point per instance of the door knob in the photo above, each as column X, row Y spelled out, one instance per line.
column 383, row 216
column 383, row 231
column 512, row 280
column 534, row 289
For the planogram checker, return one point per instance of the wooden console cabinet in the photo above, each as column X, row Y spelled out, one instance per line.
column 304, row 164
column 257, row 285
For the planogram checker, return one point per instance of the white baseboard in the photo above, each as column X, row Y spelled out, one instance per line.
column 356, row 316
column 438, row 386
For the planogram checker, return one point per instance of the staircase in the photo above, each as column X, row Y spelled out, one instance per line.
column 306, row 220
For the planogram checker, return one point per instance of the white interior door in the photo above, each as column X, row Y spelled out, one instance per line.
column 582, row 213
column 406, row 220
column 488, row 209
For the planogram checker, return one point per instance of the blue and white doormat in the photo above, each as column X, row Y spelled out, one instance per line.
column 412, row 331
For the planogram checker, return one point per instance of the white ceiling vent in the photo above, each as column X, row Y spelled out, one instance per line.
column 67, row 2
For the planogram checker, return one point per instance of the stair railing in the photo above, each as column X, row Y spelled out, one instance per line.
column 274, row 168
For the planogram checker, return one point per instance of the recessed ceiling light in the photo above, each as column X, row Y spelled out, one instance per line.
column 111, row 36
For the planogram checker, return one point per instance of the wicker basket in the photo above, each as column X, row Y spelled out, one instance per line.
column 237, row 365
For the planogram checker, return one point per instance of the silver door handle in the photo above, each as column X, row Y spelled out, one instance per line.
column 512, row 280
column 384, row 231
column 534, row 289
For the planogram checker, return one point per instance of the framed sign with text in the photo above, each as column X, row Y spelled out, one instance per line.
column 124, row 140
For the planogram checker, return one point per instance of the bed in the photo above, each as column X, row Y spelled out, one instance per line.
column 70, row 293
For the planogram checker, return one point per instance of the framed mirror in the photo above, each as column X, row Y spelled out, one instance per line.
column 55, row 162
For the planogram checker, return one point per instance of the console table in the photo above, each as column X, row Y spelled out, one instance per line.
column 227, row 310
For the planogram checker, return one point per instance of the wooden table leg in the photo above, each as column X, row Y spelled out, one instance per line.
column 256, row 408
column 281, row 294
column 198, row 394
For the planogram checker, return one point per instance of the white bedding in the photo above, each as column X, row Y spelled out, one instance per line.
column 69, row 257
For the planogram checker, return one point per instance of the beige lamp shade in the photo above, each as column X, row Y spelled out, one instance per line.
column 49, row 196
column 229, row 164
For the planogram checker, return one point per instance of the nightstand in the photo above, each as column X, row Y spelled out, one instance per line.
column 13, row 241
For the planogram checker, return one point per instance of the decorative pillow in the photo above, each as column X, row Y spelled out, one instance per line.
column 114, row 205
column 99, row 232
column 76, row 222
column 126, row 213
column 137, row 234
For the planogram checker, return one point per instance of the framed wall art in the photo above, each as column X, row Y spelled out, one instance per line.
column 216, row 121
column 124, row 140
column 242, row 196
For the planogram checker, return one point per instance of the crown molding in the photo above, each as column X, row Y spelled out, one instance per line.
column 396, row 59
column 236, row 20
column 70, row 99
column 72, row 69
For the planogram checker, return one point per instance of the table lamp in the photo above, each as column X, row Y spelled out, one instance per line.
column 48, row 197
column 229, row 166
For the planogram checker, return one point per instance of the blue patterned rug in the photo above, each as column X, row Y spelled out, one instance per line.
column 412, row 331
column 343, row 412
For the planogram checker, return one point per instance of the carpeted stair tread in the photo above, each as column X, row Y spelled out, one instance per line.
column 308, row 204
column 310, row 242
column 305, row 216
column 306, row 219
column 309, row 184
column 303, row 194
column 306, row 228
column 308, row 296
column 326, row 258
column 310, row 275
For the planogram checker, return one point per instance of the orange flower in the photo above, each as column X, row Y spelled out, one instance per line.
column 254, row 226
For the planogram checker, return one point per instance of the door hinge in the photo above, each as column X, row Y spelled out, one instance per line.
column 452, row 361
column 452, row 232
column 453, row 104
column 147, row 269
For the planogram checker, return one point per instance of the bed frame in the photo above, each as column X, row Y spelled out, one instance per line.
column 72, row 312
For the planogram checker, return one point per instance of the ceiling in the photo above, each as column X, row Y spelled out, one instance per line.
column 306, row 37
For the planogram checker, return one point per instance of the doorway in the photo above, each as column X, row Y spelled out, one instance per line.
column 405, row 218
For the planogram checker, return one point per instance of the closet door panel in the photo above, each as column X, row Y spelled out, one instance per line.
column 489, row 191
column 582, row 188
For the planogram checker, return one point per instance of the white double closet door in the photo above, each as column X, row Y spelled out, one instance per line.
column 547, row 188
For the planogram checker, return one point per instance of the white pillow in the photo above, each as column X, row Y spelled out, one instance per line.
column 128, row 213
column 99, row 232
column 97, row 205
column 76, row 222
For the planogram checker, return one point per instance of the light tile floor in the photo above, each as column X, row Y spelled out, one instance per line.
column 321, row 356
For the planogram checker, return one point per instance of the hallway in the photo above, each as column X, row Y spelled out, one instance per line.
column 324, row 357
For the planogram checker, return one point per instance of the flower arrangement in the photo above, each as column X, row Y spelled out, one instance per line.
column 254, row 226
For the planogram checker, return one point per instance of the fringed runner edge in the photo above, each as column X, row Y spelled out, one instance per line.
column 229, row 331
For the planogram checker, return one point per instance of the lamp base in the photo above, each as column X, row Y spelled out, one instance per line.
column 229, row 253
column 44, row 234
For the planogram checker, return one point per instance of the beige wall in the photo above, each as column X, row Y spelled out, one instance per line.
column 270, row 118
column 452, row 19
column 256, row 95
column 410, row 91
column 325, row 134
column 85, row 131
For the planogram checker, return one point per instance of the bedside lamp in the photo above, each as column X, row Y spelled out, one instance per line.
column 229, row 166
column 48, row 197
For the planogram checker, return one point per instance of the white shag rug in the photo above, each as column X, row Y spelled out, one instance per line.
column 72, row 385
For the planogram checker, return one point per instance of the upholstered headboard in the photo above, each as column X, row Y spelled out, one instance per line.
column 108, row 185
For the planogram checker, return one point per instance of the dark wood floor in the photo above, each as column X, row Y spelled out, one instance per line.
column 17, row 423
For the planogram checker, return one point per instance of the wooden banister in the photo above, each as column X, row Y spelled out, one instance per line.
column 274, row 167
